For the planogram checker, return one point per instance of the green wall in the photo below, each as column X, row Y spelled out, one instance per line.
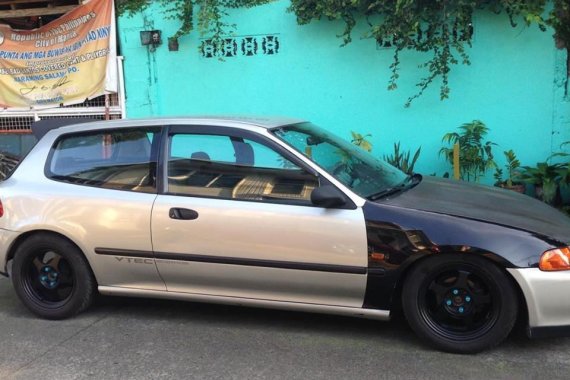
column 517, row 83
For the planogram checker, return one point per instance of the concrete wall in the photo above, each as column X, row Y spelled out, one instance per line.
column 517, row 83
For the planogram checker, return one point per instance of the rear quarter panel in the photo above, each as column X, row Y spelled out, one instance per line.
column 88, row 216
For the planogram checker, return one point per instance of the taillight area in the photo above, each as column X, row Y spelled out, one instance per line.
column 555, row 260
column 1, row 209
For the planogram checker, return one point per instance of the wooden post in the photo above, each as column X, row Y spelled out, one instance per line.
column 107, row 107
column 456, row 171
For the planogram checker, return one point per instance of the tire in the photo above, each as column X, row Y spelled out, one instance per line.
column 52, row 277
column 459, row 303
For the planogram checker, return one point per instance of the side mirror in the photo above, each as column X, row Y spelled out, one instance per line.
column 328, row 196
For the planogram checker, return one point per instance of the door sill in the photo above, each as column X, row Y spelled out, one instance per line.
column 382, row 315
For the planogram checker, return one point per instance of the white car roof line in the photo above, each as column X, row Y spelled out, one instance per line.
column 235, row 121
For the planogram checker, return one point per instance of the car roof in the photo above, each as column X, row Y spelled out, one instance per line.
column 74, row 125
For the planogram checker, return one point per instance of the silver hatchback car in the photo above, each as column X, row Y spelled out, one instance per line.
column 281, row 214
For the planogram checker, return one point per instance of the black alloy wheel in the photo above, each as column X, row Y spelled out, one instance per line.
column 460, row 303
column 48, row 278
column 52, row 277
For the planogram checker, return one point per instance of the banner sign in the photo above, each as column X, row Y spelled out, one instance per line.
column 64, row 62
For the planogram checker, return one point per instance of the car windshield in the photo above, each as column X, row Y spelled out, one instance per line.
column 363, row 173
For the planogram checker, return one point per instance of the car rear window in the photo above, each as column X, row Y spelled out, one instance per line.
column 123, row 159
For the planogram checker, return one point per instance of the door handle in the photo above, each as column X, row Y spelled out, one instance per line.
column 183, row 214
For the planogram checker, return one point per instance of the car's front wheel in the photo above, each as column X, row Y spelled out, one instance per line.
column 459, row 303
column 52, row 277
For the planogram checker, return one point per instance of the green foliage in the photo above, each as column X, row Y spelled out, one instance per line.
column 564, row 174
column 398, row 159
column 208, row 15
column 475, row 155
column 563, row 168
column 401, row 160
column 361, row 141
column 180, row 10
column 544, row 176
column 512, row 166
column 560, row 20
column 513, row 173
column 548, row 178
column 442, row 28
column 498, row 175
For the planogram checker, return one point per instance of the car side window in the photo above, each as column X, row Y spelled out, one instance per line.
column 123, row 159
column 228, row 167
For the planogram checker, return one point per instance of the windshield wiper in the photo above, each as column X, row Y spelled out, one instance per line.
column 387, row 192
column 414, row 179
column 409, row 182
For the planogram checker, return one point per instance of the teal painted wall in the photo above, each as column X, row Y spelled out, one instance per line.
column 517, row 84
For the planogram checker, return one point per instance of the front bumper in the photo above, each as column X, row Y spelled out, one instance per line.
column 547, row 296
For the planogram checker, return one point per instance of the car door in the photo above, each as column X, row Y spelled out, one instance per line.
column 236, row 221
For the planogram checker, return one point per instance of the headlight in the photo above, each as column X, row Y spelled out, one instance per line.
column 555, row 259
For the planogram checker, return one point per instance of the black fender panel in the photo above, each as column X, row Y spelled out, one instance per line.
column 398, row 237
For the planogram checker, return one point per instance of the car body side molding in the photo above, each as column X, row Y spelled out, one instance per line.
column 316, row 267
column 124, row 253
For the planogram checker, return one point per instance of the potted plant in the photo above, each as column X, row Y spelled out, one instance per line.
column 475, row 155
column 513, row 174
column 545, row 177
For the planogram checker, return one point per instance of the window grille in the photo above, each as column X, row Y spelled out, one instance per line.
column 245, row 46
column 14, row 124
column 457, row 33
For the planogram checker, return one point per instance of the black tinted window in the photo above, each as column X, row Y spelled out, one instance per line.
column 13, row 147
column 123, row 159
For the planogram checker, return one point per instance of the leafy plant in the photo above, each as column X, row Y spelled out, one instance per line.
column 475, row 155
column 361, row 141
column 545, row 177
column 401, row 160
column 563, row 168
column 513, row 173
column 564, row 174
column 512, row 166
column 498, row 175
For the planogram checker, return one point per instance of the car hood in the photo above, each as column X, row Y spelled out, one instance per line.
column 485, row 203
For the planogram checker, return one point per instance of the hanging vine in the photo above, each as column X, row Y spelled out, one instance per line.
column 442, row 29
column 208, row 15
column 560, row 21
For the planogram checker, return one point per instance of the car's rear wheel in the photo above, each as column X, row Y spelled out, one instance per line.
column 52, row 277
column 460, row 303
